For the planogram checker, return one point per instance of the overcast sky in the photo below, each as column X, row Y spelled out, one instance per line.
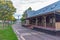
column 22, row 5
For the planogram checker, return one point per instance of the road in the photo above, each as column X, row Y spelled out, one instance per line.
column 28, row 34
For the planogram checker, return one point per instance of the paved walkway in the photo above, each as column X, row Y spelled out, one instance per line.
column 28, row 34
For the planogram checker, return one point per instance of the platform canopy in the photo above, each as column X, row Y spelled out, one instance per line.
column 53, row 7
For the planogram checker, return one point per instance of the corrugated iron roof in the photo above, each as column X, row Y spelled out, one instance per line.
column 49, row 8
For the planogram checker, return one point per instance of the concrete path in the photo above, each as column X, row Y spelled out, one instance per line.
column 28, row 34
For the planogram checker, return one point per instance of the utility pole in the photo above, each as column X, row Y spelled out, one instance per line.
column 18, row 18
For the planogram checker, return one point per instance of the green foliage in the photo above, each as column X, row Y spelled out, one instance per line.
column 13, row 18
column 6, row 9
column 22, row 19
column 29, row 8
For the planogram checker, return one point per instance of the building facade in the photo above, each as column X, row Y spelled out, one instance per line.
column 47, row 18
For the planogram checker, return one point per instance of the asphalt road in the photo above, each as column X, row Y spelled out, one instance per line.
column 28, row 34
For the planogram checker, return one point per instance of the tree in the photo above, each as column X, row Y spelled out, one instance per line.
column 29, row 8
column 6, row 10
column 24, row 16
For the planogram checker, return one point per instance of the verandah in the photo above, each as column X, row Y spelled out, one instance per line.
column 47, row 21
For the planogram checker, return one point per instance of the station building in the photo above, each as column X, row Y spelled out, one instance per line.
column 47, row 18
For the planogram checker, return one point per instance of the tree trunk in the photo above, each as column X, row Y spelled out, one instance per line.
column 3, row 24
column 8, row 22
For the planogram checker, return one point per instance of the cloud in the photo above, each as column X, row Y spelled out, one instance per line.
column 22, row 5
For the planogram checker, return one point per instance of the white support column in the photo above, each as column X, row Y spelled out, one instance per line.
column 54, row 20
column 27, row 22
column 36, row 21
column 44, row 20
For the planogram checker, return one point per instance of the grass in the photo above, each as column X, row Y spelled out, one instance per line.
column 7, row 34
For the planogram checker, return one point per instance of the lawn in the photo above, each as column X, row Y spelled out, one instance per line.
column 7, row 34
